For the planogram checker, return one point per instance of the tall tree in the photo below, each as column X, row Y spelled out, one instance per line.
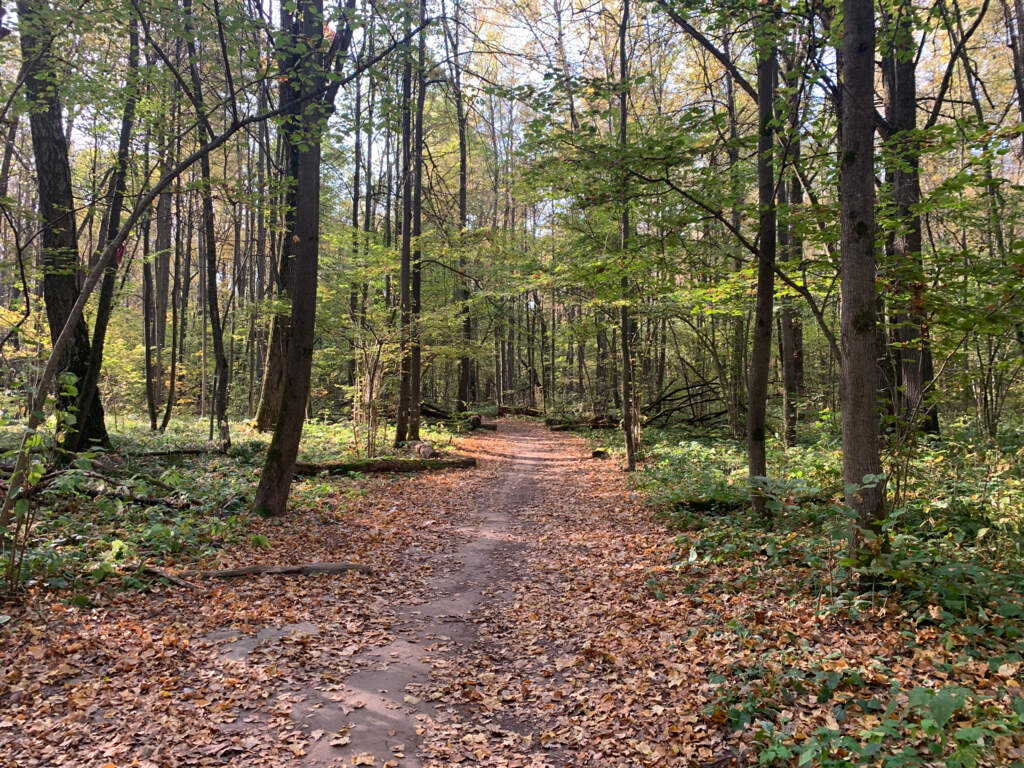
column 416, row 265
column 627, row 329
column 913, row 354
column 453, row 35
column 307, row 62
column 862, row 466
column 110, row 227
column 791, row 244
column 62, row 281
column 761, row 346
column 209, row 239
column 405, row 395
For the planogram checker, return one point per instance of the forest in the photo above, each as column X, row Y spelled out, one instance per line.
column 520, row 383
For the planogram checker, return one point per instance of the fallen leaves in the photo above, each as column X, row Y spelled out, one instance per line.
column 341, row 739
column 570, row 659
column 217, row 676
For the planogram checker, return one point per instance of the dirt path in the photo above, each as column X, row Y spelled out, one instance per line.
column 386, row 710
column 510, row 621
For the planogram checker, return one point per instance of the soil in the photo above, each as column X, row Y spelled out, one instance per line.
column 380, row 712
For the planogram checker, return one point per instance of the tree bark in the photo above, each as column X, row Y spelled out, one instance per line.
column 865, row 488
column 761, row 345
column 162, row 269
column 405, row 295
column 453, row 36
column 59, row 243
column 791, row 344
column 149, row 329
column 353, row 299
column 627, row 330
column 175, row 290
column 302, row 27
column 913, row 351
column 415, row 305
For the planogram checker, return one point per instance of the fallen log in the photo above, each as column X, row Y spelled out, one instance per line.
column 149, row 570
column 564, row 425
column 303, row 569
column 476, row 422
column 434, row 412
column 258, row 570
column 368, row 466
column 513, row 410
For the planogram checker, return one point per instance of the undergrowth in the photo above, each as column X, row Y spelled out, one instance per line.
column 96, row 522
column 953, row 570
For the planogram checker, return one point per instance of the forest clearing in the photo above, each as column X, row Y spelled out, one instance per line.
column 528, row 383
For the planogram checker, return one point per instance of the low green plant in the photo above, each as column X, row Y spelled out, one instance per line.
column 950, row 555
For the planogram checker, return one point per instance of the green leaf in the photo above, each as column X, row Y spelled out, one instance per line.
column 943, row 705
column 1018, row 706
column 969, row 734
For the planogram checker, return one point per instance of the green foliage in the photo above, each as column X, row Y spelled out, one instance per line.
column 99, row 519
column 952, row 562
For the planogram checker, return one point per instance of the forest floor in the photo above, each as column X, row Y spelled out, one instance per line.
column 528, row 612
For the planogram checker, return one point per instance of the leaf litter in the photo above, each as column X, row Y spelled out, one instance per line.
column 568, row 657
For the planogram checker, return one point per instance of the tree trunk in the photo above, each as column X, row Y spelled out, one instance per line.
column 791, row 345
column 453, row 34
column 162, row 270
column 149, row 330
column 415, row 348
column 303, row 246
column 761, row 346
column 627, row 330
column 1013, row 20
column 405, row 295
column 220, row 362
column 353, row 297
column 59, row 244
column 735, row 380
column 601, row 373
column 916, row 369
column 865, row 488
column 303, row 76
column 280, row 322
column 111, row 225
column 175, row 302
